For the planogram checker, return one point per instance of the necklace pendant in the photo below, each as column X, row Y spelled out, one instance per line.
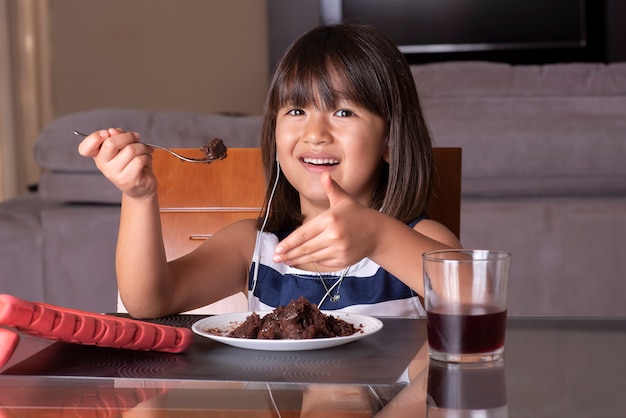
column 335, row 298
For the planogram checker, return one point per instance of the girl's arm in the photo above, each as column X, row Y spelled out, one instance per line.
column 216, row 269
column 399, row 248
column 150, row 287
column 141, row 266
column 148, row 284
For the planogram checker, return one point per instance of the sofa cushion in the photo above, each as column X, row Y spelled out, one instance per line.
column 79, row 256
column 78, row 187
column 517, row 143
column 475, row 78
column 565, row 252
column 530, row 130
column 21, row 247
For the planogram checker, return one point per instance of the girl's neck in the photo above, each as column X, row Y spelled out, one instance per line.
column 310, row 210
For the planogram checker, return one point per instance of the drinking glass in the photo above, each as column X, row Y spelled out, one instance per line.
column 465, row 295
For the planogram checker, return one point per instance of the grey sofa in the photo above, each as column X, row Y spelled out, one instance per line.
column 543, row 177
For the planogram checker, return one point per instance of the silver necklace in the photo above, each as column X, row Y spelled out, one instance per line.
column 337, row 296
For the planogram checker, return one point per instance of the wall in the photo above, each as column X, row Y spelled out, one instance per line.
column 197, row 55
column 25, row 90
column 8, row 185
column 616, row 30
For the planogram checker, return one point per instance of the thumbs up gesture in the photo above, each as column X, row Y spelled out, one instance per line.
column 338, row 237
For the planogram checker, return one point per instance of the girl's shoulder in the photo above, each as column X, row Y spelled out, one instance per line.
column 437, row 231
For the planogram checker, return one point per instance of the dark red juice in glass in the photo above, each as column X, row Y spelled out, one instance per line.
column 466, row 329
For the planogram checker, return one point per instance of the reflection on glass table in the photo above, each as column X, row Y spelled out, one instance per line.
column 552, row 368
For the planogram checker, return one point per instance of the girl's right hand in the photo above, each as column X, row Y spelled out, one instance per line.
column 122, row 159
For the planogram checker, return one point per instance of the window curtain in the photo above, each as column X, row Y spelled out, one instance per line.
column 25, row 90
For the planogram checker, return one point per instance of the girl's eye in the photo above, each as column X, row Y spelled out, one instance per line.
column 344, row 113
column 295, row 112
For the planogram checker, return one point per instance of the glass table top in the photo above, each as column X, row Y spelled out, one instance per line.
column 552, row 368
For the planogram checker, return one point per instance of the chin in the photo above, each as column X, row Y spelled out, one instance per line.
column 316, row 196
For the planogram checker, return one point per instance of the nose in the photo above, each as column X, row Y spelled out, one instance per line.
column 317, row 130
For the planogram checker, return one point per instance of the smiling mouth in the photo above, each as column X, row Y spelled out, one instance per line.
column 321, row 161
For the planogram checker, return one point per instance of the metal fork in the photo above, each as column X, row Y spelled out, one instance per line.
column 175, row 154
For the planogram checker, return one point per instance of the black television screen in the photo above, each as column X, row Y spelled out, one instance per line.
column 474, row 28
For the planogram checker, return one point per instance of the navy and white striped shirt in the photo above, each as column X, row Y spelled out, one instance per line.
column 366, row 287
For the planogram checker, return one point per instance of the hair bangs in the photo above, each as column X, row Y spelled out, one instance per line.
column 324, row 82
column 308, row 85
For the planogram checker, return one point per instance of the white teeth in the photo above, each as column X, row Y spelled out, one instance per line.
column 320, row 161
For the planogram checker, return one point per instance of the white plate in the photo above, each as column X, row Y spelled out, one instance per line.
column 227, row 322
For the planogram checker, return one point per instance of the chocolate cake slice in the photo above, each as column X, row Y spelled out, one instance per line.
column 296, row 321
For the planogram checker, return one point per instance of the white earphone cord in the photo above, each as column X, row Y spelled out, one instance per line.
column 257, row 256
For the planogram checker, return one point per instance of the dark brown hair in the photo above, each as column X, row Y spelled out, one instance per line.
column 362, row 65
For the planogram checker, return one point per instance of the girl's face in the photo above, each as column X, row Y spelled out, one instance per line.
column 346, row 140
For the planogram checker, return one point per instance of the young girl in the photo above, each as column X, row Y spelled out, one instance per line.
column 348, row 161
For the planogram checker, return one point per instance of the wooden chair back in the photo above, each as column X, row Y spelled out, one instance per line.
column 445, row 203
column 198, row 199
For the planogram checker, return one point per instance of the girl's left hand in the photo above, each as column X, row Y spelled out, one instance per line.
column 338, row 237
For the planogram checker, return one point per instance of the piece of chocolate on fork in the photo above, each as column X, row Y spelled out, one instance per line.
column 214, row 150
